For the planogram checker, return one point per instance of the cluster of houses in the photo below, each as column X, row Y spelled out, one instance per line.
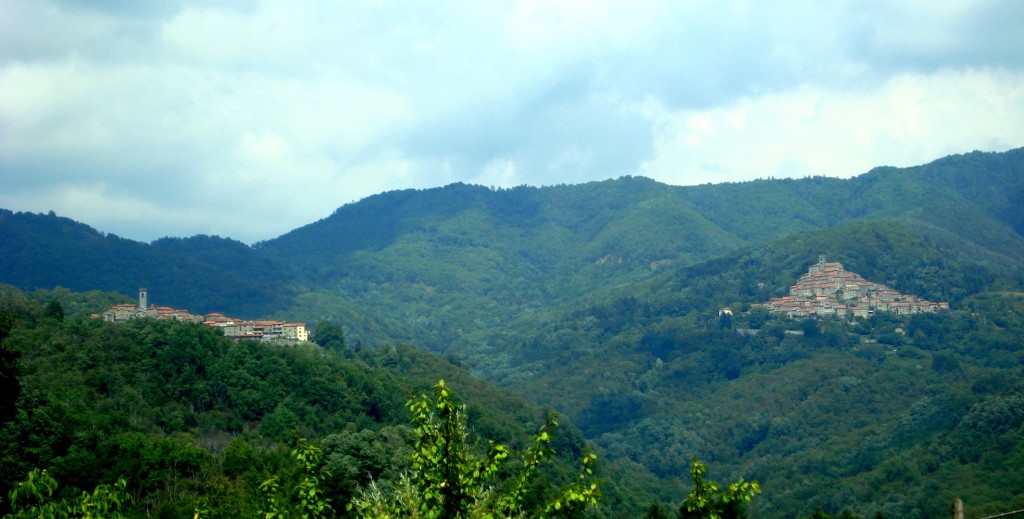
column 829, row 289
column 257, row 330
column 231, row 327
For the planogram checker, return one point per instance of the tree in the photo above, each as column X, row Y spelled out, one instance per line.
column 449, row 481
column 305, row 498
column 944, row 362
column 54, row 310
column 34, row 498
column 810, row 328
column 329, row 335
column 656, row 511
column 758, row 316
column 10, row 385
column 725, row 321
column 708, row 501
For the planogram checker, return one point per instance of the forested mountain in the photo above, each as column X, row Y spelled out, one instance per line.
column 822, row 411
column 433, row 266
column 602, row 300
column 454, row 256
column 202, row 273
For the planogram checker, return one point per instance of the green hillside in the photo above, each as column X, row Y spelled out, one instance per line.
column 655, row 375
column 431, row 265
column 602, row 301
column 436, row 266
column 202, row 273
column 195, row 421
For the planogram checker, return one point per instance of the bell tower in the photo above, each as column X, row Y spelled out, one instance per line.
column 142, row 300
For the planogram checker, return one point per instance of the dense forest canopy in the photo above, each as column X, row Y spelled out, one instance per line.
column 196, row 421
column 601, row 301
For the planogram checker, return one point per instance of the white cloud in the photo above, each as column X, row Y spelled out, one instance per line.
column 562, row 27
column 263, row 147
column 908, row 120
column 498, row 173
column 110, row 210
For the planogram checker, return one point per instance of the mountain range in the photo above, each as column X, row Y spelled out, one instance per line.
column 526, row 247
column 602, row 300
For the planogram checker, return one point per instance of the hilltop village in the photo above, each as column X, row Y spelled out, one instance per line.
column 231, row 327
column 829, row 289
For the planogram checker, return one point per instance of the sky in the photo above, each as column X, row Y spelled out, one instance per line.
column 153, row 118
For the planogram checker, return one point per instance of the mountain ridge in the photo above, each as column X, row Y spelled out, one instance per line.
column 543, row 246
column 601, row 300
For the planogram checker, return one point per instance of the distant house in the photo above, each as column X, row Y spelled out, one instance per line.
column 258, row 330
column 295, row 331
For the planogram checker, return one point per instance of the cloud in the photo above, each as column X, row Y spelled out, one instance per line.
column 927, row 36
column 498, row 172
column 811, row 131
column 250, row 118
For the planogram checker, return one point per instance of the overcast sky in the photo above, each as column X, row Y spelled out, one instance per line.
column 151, row 118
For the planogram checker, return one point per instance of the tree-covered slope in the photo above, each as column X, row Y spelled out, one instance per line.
column 468, row 257
column 993, row 182
column 968, row 196
column 549, row 229
column 200, row 274
column 433, row 266
column 602, row 300
column 195, row 421
column 821, row 412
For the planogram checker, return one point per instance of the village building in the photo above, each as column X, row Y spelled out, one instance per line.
column 126, row 312
column 258, row 330
column 231, row 327
column 829, row 289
